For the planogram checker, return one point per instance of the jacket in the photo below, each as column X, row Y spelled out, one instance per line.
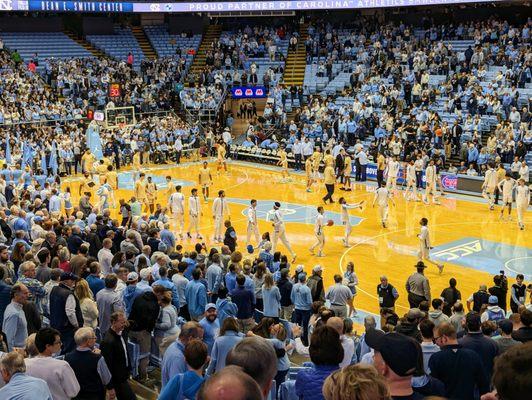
column 485, row 347
column 309, row 382
column 460, row 370
column 523, row 334
column 144, row 312
column 115, row 357
column 437, row 317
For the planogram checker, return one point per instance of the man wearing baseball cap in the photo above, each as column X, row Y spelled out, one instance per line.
column 396, row 358
column 210, row 325
column 65, row 311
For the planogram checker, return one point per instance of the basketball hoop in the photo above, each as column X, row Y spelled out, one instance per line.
column 121, row 126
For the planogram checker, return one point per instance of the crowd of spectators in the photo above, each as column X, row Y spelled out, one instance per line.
column 72, row 279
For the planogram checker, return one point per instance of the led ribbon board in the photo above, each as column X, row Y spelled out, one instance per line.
column 228, row 6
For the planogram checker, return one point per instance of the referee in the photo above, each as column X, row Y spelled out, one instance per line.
column 340, row 297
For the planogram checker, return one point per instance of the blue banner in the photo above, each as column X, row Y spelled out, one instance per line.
column 94, row 142
column 80, row 6
column 249, row 92
column 225, row 6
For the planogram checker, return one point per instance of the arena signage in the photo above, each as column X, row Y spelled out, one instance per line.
column 249, row 92
column 228, row 6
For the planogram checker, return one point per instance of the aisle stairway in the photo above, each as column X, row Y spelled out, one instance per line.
column 86, row 45
column 143, row 42
column 294, row 71
column 211, row 34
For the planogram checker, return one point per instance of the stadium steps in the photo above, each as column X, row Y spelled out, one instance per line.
column 142, row 392
column 455, row 158
column 211, row 34
column 144, row 43
column 294, row 70
column 86, row 45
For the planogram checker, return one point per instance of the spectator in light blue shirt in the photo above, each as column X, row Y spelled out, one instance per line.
column 168, row 237
column 196, row 296
column 14, row 325
column 214, row 276
column 168, row 285
column 226, row 308
column 20, row 386
column 229, row 337
column 174, row 360
column 54, row 205
column 230, row 278
column 210, row 325
column 271, row 297
column 302, row 299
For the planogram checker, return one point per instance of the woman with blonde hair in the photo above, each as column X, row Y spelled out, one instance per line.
column 166, row 324
column 89, row 310
column 356, row 382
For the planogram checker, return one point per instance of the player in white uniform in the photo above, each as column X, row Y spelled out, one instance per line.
column 345, row 217
column 430, row 182
column 194, row 213
column 522, row 200
column 411, row 182
column 176, row 205
column 220, row 209
column 279, row 232
column 253, row 226
column 489, row 185
column 393, row 172
column 318, row 231
column 382, row 195
column 424, row 244
column 506, row 187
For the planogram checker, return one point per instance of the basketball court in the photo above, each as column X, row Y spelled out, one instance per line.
column 469, row 239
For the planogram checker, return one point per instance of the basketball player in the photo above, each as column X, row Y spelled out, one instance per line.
column 345, row 217
column 489, row 185
column 316, row 160
column 140, row 190
column 205, row 180
column 347, row 172
column 137, row 166
column 393, row 172
column 283, row 162
column 194, row 212
column 253, row 226
column 424, row 244
column 279, row 232
column 382, row 195
column 151, row 194
column 169, row 187
column 221, row 152
column 506, row 186
column 87, row 183
column 176, row 205
column 309, row 174
column 522, row 200
column 220, row 209
column 411, row 182
column 430, row 183
column 318, row 231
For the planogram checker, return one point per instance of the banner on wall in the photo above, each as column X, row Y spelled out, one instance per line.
column 227, row 6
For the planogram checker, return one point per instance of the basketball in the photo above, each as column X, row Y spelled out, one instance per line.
column 330, row 222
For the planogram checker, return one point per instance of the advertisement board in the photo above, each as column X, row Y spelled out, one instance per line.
column 226, row 6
